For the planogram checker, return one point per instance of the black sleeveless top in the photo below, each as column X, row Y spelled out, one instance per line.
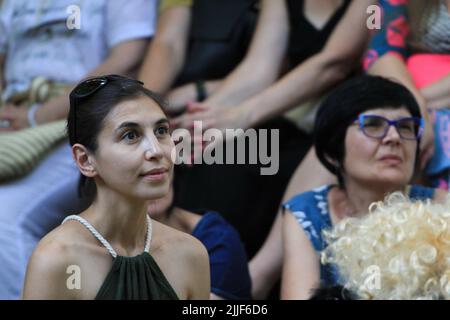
column 305, row 40
column 220, row 33
column 131, row 278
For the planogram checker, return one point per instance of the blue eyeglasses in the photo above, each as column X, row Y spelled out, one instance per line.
column 410, row 128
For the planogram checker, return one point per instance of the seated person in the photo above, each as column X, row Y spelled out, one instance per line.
column 399, row 251
column 367, row 133
column 413, row 47
column 121, row 144
column 230, row 278
column 41, row 59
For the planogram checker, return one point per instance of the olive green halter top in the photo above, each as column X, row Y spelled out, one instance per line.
column 131, row 278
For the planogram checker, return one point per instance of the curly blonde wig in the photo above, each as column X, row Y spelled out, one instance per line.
column 400, row 250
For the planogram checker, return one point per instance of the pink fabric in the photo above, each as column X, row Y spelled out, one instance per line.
column 426, row 69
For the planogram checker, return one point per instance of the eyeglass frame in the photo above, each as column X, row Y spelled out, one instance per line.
column 394, row 123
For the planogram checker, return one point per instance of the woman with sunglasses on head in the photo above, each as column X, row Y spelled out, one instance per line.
column 46, row 48
column 121, row 144
column 367, row 133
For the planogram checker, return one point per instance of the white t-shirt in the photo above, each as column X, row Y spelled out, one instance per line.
column 38, row 37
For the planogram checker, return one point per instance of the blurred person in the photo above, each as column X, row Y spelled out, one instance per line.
column 281, row 70
column 367, row 133
column 413, row 47
column 230, row 278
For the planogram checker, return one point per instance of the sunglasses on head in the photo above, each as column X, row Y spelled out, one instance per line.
column 90, row 86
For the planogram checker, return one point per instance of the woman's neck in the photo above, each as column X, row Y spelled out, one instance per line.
column 120, row 220
column 356, row 198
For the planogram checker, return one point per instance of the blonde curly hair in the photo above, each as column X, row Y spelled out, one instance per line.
column 400, row 250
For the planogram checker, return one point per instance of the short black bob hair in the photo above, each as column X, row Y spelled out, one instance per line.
column 344, row 104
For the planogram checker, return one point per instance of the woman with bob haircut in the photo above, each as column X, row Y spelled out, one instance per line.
column 122, row 146
column 367, row 133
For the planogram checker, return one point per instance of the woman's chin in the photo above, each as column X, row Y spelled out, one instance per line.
column 392, row 181
column 157, row 193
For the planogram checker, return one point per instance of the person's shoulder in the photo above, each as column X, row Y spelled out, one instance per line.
column 307, row 198
column 60, row 243
column 49, row 265
column 63, row 245
column 168, row 245
column 217, row 231
column 67, row 244
column 213, row 221
column 168, row 239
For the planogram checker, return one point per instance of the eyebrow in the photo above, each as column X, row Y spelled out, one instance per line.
column 135, row 125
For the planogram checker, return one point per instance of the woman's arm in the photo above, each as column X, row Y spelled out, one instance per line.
column 307, row 80
column 180, row 97
column 265, row 267
column 261, row 65
column 320, row 72
column 437, row 95
column 167, row 52
column 123, row 58
column 301, row 267
column 198, row 271
column 46, row 277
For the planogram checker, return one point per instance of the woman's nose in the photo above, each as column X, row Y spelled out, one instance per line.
column 152, row 148
column 392, row 134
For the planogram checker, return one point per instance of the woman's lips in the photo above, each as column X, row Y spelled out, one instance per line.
column 391, row 159
column 157, row 175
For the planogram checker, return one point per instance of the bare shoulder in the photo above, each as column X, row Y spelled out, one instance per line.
column 170, row 240
column 55, row 258
column 47, row 267
column 190, row 276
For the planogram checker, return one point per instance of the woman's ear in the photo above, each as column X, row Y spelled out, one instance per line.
column 334, row 162
column 84, row 160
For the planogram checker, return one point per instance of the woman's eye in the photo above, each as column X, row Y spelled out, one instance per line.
column 406, row 126
column 130, row 136
column 373, row 122
column 162, row 131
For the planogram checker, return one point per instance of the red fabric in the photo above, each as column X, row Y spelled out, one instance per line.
column 427, row 69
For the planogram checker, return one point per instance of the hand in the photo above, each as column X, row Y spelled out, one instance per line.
column 17, row 116
column 199, row 115
column 180, row 97
column 213, row 117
